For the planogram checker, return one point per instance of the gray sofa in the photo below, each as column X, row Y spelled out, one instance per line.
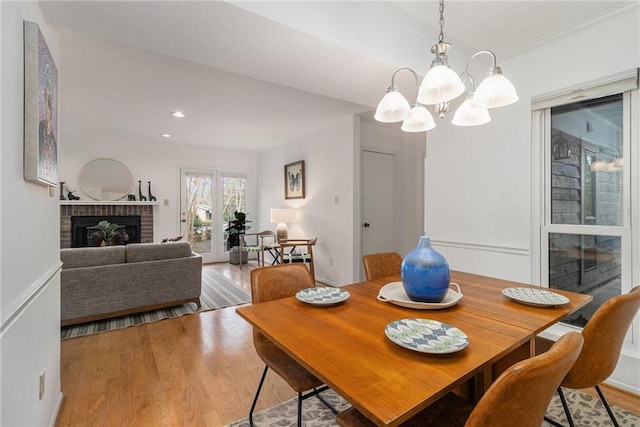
column 111, row 281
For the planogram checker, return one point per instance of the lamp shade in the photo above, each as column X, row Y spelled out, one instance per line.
column 393, row 107
column 282, row 215
column 469, row 115
column 441, row 84
column 495, row 91
column 420, row 120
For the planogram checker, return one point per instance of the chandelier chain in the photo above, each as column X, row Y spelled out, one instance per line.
column 441, row 37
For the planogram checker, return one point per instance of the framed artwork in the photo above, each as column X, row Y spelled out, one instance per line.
column 294, row 180
column 40, row 109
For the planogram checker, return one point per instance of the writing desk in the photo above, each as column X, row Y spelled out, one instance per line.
column 345, row 346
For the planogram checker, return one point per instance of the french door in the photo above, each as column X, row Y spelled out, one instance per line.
column 208, row 200
column 198, row 219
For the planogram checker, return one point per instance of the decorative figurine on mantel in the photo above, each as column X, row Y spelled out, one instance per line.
column 131, row 197
column 72, row 196
column 141, row 197
column 62, row 191
column 152, row 198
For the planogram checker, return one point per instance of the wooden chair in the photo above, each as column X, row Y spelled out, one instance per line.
column 603, row 338
column 381, row 265
column 258, row 248
column 295, row 256
column 519, row 397
column 268, row 284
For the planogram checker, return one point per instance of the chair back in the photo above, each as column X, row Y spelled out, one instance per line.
column 382, row 264
column 272, row 283
column 603, row 338
column 520, row 396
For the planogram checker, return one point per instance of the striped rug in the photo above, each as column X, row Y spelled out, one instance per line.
column 217, row 292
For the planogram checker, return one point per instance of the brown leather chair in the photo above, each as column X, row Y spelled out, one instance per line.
column 603, row 338
column 519, row 397
column 381, row 265
column 268, row 284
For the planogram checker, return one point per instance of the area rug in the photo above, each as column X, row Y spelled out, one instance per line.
column 217, row 292
column 586, row 411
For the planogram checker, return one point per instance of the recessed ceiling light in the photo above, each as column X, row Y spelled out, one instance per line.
column 166, row 135
column 178, row 114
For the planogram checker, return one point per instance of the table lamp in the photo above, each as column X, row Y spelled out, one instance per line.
column 282, row 216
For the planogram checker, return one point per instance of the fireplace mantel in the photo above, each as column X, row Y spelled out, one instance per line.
column 107, row 203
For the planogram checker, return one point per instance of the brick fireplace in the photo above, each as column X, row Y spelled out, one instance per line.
column 104, row 210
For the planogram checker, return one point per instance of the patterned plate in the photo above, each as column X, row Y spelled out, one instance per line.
column 426, row 336
column 536, row 297
column 322, row 295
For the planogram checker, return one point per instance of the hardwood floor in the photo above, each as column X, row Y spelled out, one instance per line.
column 192, row 370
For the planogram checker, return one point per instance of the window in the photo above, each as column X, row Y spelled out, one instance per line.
column 585, row 231
column 234, row 191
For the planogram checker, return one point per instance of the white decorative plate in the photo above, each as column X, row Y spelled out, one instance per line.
column 537, row 297
column 322, row 295
column 426, row 336
column 395, row 294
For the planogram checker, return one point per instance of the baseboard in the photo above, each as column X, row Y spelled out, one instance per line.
column 56, row 413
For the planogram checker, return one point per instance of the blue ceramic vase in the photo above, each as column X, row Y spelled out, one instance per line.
column 425, row 273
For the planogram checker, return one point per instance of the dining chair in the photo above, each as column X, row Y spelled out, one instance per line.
column 382, row 264
column 294, row 255
column 519, row 396
column 268, row 284
column 603, row 338
column 258, row 248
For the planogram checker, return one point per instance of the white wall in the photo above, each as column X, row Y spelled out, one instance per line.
column 159, row 163
column 329, row 158
column 478, row 190
column 29, row 248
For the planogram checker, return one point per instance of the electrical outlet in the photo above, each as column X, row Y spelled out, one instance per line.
column 330, row 262
column 41, row 392
column 166, row 202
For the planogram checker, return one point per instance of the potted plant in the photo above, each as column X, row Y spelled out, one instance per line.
column 106, row 232
column 235, row 228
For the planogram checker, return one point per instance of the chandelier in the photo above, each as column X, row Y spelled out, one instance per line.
column 441, row 85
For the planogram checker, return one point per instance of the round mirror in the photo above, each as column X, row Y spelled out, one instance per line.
column 105, row 179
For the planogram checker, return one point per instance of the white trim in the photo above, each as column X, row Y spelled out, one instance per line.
column 483, row 247
column 56, row 411
column 616, row 83
column 19, row 306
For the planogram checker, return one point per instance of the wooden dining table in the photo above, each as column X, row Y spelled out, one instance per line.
column 346, row 347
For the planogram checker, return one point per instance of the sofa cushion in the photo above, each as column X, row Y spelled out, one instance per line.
column 138, row 252
column 90, row 257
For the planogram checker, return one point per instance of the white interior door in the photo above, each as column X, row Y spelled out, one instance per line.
column 378, row 202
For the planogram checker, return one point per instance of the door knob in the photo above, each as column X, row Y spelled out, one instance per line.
column 184, row 220
column 366, row 225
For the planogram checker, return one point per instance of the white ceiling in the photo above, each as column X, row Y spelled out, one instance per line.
column 254, row 75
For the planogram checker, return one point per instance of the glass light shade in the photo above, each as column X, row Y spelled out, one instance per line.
column 495, row 91
column 469, row 115
column 441, row 84
column 392, row 108
column 420, row 120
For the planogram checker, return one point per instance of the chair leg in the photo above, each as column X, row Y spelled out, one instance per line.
column 606, row 405
column 334, row 410
column 255, row 399
column 300, row 409
column 566, row 407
